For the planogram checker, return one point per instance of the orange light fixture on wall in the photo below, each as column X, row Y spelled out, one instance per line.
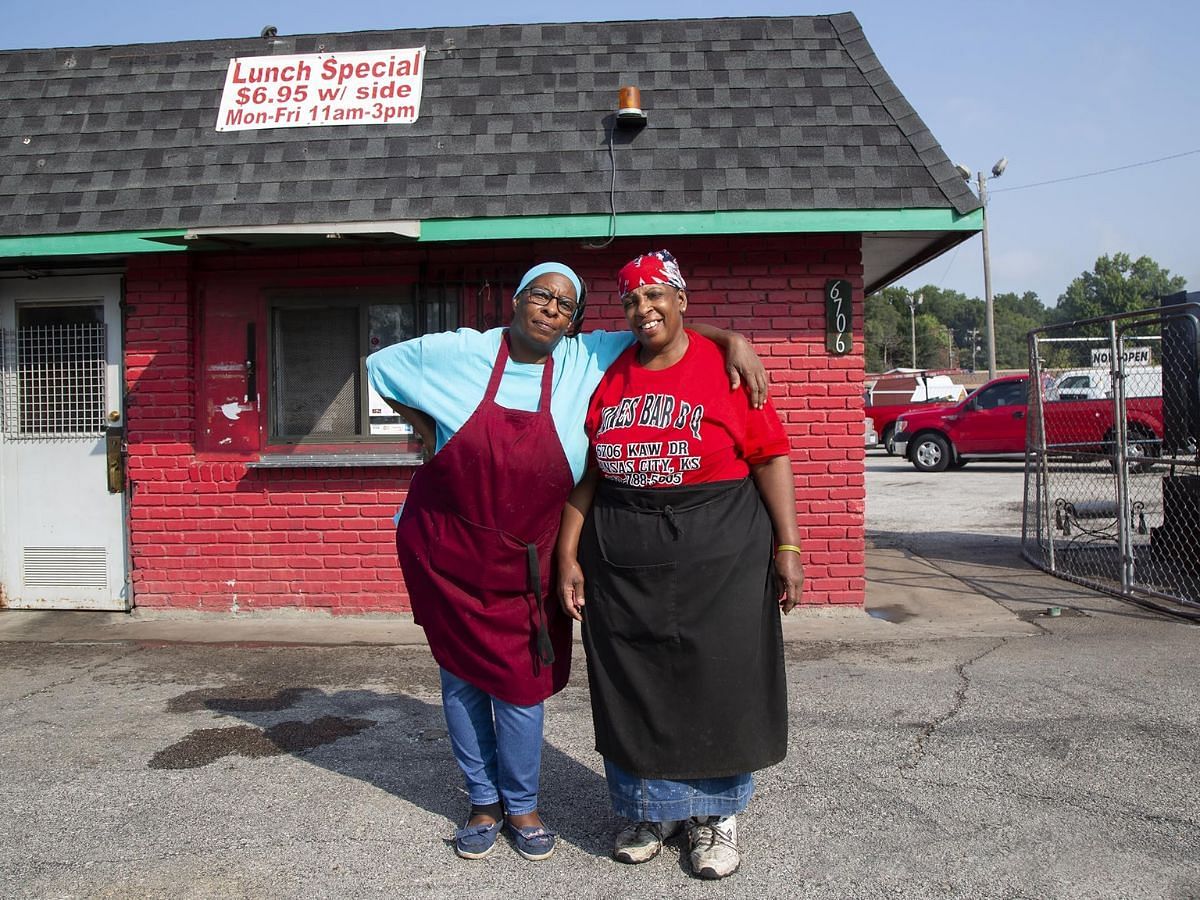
column 629, row 107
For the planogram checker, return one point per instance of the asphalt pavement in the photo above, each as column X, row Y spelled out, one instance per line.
column 956, row 739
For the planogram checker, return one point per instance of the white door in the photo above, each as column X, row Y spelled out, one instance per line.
column 62, row 513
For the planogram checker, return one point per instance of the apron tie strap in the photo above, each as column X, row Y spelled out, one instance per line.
column 672, row 521
column 545, row 647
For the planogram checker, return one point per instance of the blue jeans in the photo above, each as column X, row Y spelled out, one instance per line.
column 664, row 799
column 497, row 745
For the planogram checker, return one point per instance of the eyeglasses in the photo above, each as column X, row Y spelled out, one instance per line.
column 540, row 297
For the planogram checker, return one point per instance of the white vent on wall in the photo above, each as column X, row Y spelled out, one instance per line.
column 82, row 567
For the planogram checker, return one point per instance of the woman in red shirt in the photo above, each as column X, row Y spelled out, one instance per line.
column 686, row 531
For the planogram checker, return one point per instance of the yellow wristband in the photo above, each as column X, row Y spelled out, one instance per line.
column 791, row 547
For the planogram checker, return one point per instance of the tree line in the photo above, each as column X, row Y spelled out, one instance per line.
column 949, row 325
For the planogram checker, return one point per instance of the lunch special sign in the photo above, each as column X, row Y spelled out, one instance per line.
column 374, row 87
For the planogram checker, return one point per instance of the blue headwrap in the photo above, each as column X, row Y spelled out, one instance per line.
column 543, row 268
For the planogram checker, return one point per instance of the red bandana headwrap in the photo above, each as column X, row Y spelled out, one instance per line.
column 658, row 267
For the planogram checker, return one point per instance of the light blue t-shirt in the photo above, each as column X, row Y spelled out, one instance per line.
column 445, row 375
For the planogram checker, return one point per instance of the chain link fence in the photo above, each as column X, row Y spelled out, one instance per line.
column 1112, row 464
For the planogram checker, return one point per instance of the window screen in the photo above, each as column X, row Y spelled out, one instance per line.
column 54, row 371
column 319, row 342
column 317, row 372
column 319, row 390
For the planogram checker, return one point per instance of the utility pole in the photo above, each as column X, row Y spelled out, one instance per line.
column 913, row 302
column 990, row 318
column 989, row 308
column 973, row 334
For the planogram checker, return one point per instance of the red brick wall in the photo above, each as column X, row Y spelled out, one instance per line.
column 210, row 533
column 214, row 534
column 772, row 290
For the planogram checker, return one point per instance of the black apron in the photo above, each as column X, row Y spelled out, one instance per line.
column 682, row 630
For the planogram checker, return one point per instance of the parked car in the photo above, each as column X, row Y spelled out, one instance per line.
column 902, row 390
column 991, row 424
column 1096, row 384
column 872, row 439
column 885, row 418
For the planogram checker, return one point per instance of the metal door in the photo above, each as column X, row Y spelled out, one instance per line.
column 997, row 422
column 62, row 498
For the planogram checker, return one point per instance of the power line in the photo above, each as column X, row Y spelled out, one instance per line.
column 1148, row 162
column 949, row 265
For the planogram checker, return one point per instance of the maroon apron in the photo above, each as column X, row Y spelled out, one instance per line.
column 476, row 540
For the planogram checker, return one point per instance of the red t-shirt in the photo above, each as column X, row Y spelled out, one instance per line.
column 679, row 425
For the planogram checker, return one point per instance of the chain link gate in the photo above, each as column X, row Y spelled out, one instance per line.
column 1112, row 462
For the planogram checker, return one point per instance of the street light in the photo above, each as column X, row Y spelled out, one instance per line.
column 990, row 323
column 914, row 300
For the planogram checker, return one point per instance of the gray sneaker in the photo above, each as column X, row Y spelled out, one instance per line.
column 712, row 842
column 642, row 841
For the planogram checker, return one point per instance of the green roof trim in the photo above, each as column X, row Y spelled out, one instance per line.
column 820, row 221
column 740, row 222
column 88, row 244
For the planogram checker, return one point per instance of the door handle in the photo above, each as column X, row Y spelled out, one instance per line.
column 251, row 373
column 114, row 444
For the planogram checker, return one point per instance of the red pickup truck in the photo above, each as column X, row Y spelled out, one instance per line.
column 991, row 424
column 885, row 416
column 904, row 390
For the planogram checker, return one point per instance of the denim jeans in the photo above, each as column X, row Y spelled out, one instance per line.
column 662, row 799
column 497, row 745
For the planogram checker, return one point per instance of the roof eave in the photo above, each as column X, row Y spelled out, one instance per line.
column 913, row 236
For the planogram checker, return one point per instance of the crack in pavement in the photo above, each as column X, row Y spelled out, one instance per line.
column 77, row 675
column 956, row 705
column 1094, row 803
column 36, row 866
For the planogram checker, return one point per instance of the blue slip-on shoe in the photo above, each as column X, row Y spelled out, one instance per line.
column 535, row 842
column 476, row 841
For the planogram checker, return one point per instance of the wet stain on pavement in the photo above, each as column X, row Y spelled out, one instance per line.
column 237, row 698
column 207, row 745
column 797, row 652
column 894, row 614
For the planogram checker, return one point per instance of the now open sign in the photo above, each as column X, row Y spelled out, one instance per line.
column 1130, row 356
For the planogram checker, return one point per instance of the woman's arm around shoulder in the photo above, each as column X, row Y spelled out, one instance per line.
column 742, row 362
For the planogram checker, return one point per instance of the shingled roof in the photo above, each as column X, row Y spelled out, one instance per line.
column 745, row 114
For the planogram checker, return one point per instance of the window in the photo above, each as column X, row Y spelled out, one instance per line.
column 318, row 345
column 1009, row 393
column 1075, row 381
column 54, row 373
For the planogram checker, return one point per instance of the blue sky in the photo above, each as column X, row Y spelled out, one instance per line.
column 1060, row 89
